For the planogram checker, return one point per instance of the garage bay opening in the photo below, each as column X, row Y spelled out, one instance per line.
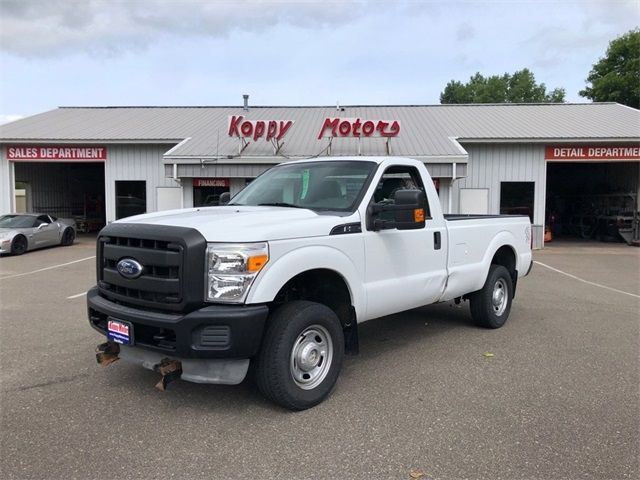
column 592, row 200
column 65, row 190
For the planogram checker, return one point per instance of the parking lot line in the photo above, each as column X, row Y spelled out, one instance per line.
column 46, row 268
column 77, row 295
column 585, row 281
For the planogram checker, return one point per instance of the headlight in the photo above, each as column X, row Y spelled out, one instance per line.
column 231, row 269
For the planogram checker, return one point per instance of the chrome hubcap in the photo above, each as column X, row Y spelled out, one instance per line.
column 499, row 297
column 311, row 357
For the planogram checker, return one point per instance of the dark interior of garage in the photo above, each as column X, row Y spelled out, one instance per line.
column 66, row 190
column 592, row 201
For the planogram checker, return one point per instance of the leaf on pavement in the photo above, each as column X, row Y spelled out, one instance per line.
column 415, row 473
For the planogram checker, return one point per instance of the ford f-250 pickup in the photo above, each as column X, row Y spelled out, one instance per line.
column 284, row 273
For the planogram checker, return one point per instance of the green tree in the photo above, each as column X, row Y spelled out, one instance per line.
column 616, row 76
column 521, row 87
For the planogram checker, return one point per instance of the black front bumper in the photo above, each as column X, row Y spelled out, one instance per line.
column 215, row 331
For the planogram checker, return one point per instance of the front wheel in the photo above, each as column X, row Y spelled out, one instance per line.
column 301, row 355
column 68, row 236
column 19, row 245
column 490, row 306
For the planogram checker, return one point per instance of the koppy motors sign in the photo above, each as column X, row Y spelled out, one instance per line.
column 269, row 129
column 331, row 127
column 356, row 127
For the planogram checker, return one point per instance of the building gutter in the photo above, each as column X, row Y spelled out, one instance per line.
column 101, row 141
column 555, row 140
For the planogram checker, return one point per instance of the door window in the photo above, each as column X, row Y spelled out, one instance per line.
column 394, row 179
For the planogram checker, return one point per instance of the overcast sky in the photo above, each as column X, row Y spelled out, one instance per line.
column 190, row 52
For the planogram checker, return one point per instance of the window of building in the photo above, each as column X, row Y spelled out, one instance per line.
column 131, row 198
column 207, row 191
column 517, row 198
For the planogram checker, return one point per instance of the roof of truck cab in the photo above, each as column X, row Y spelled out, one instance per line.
column 426, row 130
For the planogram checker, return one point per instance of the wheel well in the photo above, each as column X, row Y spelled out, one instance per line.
column 328, row 288
column 20, row 235
column 506, row 257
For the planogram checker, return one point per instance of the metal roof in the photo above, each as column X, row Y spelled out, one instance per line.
column 426, row 130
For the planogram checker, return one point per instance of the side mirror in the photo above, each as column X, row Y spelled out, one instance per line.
column 413, row 213
column 409, row 211
column 41, row 226
column 225, row 197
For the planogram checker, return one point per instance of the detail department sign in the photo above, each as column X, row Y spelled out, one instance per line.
column 57, row 153
column 592, row 153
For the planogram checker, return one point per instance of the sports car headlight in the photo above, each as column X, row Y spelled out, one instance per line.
column 231, row 269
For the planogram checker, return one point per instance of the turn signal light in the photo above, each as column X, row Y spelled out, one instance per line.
column 418, row 215
column 255, row 264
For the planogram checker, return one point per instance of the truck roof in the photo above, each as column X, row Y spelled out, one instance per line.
column 361, row 158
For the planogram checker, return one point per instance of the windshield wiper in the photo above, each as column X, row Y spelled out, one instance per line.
column 279, row 204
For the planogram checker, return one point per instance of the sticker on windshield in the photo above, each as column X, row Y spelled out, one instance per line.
column 305, row 183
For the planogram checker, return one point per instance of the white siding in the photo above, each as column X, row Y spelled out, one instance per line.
column 135, row 162
column 490, row 164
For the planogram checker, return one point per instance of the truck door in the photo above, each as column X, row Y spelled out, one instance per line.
column 404, row 268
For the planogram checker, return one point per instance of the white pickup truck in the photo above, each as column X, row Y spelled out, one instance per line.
column 284, row 273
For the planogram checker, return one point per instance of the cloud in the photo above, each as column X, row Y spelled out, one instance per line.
column 36, row 28
column 596, row 23
column 6, row 118
column 465, row 32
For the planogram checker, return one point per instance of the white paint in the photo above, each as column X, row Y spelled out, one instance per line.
column 474, row 201
column 77, row 295
column 169, row 198
column 46, row 268
column 585, row 281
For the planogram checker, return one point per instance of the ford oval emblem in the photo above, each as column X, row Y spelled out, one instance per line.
column 129, row 268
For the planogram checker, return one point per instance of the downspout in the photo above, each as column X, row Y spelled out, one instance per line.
column 453, row 179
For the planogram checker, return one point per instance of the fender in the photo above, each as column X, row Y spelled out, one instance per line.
column 471, row 277
column 280, row 270
column 502, row 239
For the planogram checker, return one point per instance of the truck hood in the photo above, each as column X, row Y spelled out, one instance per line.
column 246, row 223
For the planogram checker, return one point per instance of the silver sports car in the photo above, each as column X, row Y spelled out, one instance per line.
column 20, row 232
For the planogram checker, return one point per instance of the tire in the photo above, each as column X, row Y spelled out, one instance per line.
column 300, row 332
column 489, row 310
column 19, row 245
column 68, row 237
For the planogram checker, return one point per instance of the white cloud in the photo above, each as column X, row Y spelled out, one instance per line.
column 44, row 28
column 6, row 118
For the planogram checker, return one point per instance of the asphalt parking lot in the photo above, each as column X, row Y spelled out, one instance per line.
column 559, row 398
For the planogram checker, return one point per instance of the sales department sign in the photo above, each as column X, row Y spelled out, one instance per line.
column 57, row 153
column 592, row 153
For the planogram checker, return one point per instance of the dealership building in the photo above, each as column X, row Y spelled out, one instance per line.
column 567, row 166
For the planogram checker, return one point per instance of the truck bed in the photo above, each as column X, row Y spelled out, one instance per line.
column 456, row 216
column 472, row 242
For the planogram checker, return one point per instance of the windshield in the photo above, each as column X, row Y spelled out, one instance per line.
column 313, row 185
column 17, row 221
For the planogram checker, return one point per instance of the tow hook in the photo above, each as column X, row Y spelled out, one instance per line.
column 107, row 353
column 170, row 371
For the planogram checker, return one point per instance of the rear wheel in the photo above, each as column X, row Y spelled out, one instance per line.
column 301, row 355
column 68, row 237
column 19, row 245
column 490, row 306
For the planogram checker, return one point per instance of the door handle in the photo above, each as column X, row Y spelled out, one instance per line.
column 437, row 241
